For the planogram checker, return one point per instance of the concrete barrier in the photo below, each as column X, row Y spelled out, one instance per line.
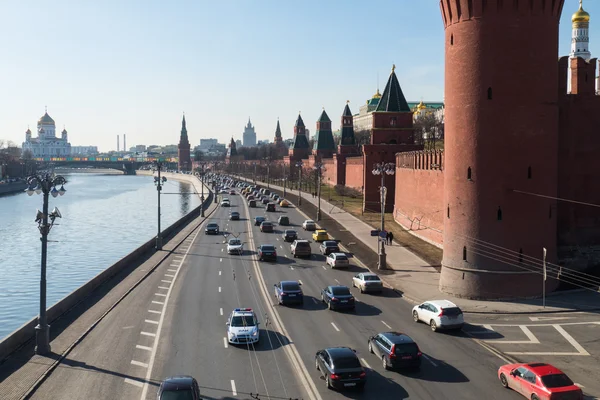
column 26, row 332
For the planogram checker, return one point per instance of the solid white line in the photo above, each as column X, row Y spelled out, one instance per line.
column 570, row 339
column 579, row 385
column 157, row 302
column 163, row 287
column 148, row 334
column 233, row 391
column 170, row 276
column 429, row 359
column 389, row 327
column 159, row 294
column 155, row 312
column 219, row 289
column 563, row 324
column 526, row 331
column 488, row 327
column 134, row 382
column 365, row 363
column 137, row 346
column 150, row 321
column 163, row 280
column 335, row 327
column 488, row 348
column 221, row 311
column 225, row 342
column 139, row 364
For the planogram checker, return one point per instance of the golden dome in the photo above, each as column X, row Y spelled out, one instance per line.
column 581, row 15
column 377, row 95
column 421, row 106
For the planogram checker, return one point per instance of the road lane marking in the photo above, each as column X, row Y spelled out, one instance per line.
column 160, row 294
column 299, row 281
column 324, row 267
column 139, row 364
column 170, row 275
column 172, row 270
column 175, row 265
column 137, row 346
column 163, row 280
column 177, row 256
column 233, row 391
column 221, row 311
column 219, row 289
column 488, row 327
column 220, row 260
column 150, row 321
column 134, row 382
column 292, row 267
column 335, row 327
column 579, row 385
column 580, row 350
column 155, row 312
column 163, row 287
column 157, row 302
column 429, row 359
column 337, row 281
column 389, row 327
column 526, row 331
column 315, row 300
column 548, row 318
column 221, row 250
column 219, row 273
column 148, row 334
column 365, row 363
column 225, row 343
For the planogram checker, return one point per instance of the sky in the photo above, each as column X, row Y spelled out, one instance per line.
column 133, row 67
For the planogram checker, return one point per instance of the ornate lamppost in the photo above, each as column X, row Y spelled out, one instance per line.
column 299, row 164
column 159, row 182
column 317, row 167
column 383, row 169
column 44, row 183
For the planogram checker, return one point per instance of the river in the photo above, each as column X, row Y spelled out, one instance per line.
column 105, row 217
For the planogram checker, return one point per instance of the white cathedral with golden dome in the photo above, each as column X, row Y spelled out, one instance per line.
column 47, row 144
column 580, row 36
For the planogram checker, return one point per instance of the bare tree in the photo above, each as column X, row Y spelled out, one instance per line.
column 428, row 130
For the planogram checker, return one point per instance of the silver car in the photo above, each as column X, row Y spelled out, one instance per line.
column 367, row 282
column 235, row 246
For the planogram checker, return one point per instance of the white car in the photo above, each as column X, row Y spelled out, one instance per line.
column 439, row 314
column 309, row 225
column 242, row 327
column 338, row 260
column 235, row 246
column 225, row 203
column 367, row 282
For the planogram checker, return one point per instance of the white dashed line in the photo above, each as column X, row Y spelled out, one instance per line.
column 365, row 363
column 160, row 294
column 157, row 302
column 175, row 265
column 151, row 321
column 163, row 287
column 220, row 260
column 170, row 276
column 337, row 281
column 281, row 247
column 324, row 267
column 148, row 334
column 139, row 364
column 315, row 300
column 134, row 382
column 172, row 270
column 225, row 342
column 429, row 359
column 299, row 281
column 154, row 312
column 579, row 385
column 219, row 273
column 137, row 346
column 233, row 391
column 389, row 327
column 219, row 289
column 221, row 311
column 165, row 281
column 335, row 327
column 222, row 250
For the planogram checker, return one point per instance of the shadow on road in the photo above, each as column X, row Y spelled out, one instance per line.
column 269, row 340
column 436, row 370
column 378, row 387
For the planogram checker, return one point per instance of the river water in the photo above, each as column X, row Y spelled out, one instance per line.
column 105, row 217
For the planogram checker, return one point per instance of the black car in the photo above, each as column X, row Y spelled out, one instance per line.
column 289, row 292
column 212, row 229
column 234, row 216
column 341, row 368
column 252, row 203
column 338, row 297
column 396, row 350
column 329, row 246
column 284, row 220
column 267, row 252
column 289, row 235
column 270, row 207
column 179, row 388
column 265, row 200
column 258, row 220
column 266, row 226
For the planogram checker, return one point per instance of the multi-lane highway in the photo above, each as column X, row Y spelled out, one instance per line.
column 174, row 323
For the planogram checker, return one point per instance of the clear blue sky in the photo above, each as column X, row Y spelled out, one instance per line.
column 111, row 67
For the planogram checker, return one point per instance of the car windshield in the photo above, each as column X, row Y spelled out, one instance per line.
column 406, row 348
column 212, row 225
column 177, row 395
column 346, row 362
column 330, row 243
column 371, row 278
column 235, row 242
column 556, row 380
column 235, row 213
column 260, row 218
column 290, row 286
column 340, row 291
column 242, row 320
column 268, row 248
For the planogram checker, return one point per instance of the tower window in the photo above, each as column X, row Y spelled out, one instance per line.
column 452, row 40
column 465, row 253
column 489, row 93
column 520, row 255
column 448, row 211
column 529, row 172
column 469, row 173
column 393, row 121
column 499, row 214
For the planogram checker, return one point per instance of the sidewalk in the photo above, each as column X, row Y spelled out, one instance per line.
column 418, row 281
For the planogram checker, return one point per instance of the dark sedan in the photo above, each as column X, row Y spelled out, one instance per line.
column 396, row 350
column 234, row 216
column 212, row 229
column 341, row 368
column 266, row 226
column 267, row 252
column 289, row 235
column 265, row 200
column 328, row 247
column 179, row 388
column 338, row 297
column 258, row 220
column 289, row 292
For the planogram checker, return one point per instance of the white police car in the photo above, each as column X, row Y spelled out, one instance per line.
column 242, row 326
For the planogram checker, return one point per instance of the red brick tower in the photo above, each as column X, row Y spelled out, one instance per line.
column 501, row 124
column 183, row 150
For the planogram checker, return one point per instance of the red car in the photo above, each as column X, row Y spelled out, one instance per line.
column 539, row 381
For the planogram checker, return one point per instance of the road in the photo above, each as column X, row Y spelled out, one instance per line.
column 174, row 323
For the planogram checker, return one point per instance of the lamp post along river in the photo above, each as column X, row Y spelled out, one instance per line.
column 159, row 181
column 383, row 169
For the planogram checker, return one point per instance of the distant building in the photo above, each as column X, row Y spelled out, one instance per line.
column 249, row 135
column 206, row 144
column 140, row 148
column 263, row 142
column 238, row 143
column 47, row 144
column 84, row 150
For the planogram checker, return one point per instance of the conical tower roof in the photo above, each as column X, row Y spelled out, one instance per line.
column 347, row 112
column 278, row 130
column 324, row 117
column 393, row 99
column 299, row 121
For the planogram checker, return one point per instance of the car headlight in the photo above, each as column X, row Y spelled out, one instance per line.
column 255, row 333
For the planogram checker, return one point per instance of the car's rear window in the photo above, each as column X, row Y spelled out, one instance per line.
column 556, row 380
column 177, row 395
column 341, row 257
column 330, row 243
column 266, row 223
column 340, row 291
column 346, row 362
column 406, row 348
column 290, row 286
column 290, row 232
column 452, row 311
column 302, row 244
column 268, row 248
column 371, row 278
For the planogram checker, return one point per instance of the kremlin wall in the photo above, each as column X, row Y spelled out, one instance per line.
column 517, row 139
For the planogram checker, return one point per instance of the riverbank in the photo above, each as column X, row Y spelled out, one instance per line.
column 14, row 187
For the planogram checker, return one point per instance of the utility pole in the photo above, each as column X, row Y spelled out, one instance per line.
column 202, row 185
column 159, row 181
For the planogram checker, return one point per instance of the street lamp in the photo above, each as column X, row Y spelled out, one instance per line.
column 317, row 167
column 299, row 164
column 383, row 169
column 284, row 180
column 202, row 185
column 159, row 182
column 45, row 184
column 254, row 177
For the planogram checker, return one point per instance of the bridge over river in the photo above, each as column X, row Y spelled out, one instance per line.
column 126, row 164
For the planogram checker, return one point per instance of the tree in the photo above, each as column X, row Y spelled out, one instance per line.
column 429, row 130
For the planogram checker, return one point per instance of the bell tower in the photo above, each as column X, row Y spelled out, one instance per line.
column 183, row 149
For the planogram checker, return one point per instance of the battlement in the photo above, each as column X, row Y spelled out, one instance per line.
column 423, row 160
column 455, row 11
